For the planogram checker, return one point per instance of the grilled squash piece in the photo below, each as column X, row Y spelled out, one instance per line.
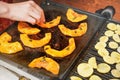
column 35, row 43
column 9, row 47
column 25, row 28
column 5, row 37
column 82, row 29
column 74, row 16
column 51, row 24
column 65, row 52
column 46, row 63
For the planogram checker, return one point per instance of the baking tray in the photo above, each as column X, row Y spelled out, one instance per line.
column 92, row 52
column 52, row 9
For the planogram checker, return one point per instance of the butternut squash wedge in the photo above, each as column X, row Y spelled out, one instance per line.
column 5, row 37
column 82, row 28
column 46, row 63
column 25, row 28
column 74, row 16
column 51, row 24
column 9, row 47
column 65, row 52
column 35, row 43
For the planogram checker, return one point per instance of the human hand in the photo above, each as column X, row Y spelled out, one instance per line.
column 27, row 11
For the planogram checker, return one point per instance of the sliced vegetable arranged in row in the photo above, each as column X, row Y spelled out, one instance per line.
column 26, row 30
column 109, row 40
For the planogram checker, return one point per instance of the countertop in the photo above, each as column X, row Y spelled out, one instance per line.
column 87, row 5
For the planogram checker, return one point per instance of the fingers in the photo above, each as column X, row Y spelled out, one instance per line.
column 42, row 19
column 30, row 20
column 37, row 13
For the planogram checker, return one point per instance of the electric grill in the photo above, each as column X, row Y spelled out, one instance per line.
column 84, row 44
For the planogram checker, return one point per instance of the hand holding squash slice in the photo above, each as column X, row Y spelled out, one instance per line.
column 65, row 52
column 47, row 63
column 51, row 24
column 74, row 16
column 25, row 28
column 35, row 43
column 9, row 47
column 82, row 28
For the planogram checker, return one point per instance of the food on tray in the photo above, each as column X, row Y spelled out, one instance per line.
column 109, row 59
column 92, row 62
column 118, row 66
column 50, row 24
column 100, row 45
column 74, row 16
column 9, row 47
column 116, row 56
column 117, row 31
column 113, row 45
column 84, row 69
column 103, row 52
column 118, row 49
column 82, row 28
column 109, row 33
column 27, row 29
column 116, row 38
column 61, row 53
column 115, row 73
column 112, row 26
column 5, row 37
column 95, row 77
column 118, row 26
column 35, row 43
column 47, row 63
column 103, row 68
column 103, row 38
column 75, row 78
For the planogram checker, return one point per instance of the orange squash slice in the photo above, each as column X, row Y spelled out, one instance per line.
column 5, row 37
column 65, row 52
column 74, row 16
column 9, row 47
column 46, row 63
column 25, row 28
column 51, row 24
column 82, row 28
column 35, row 43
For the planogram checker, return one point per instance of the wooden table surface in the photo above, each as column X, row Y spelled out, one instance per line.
column 87, row 5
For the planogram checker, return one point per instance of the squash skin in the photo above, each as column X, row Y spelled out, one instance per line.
column 35, row 43
column 82, row 29
column 26, row 29
column 63, row 53
column 74, row 16
column 47, row 63
column 50, row 24
column 9, row 47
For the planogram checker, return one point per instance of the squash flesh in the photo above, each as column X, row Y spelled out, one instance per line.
column 65, row 52
column 9, row 47
column 26, row 29
column 35, row 43
column 46, row 63
column 74, row 16
column 51, row 24
column 82, row 28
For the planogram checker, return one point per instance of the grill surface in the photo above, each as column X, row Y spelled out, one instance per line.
column 92, row 52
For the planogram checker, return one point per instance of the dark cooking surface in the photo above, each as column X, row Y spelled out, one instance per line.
column 92, row 52
column 52, row 10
